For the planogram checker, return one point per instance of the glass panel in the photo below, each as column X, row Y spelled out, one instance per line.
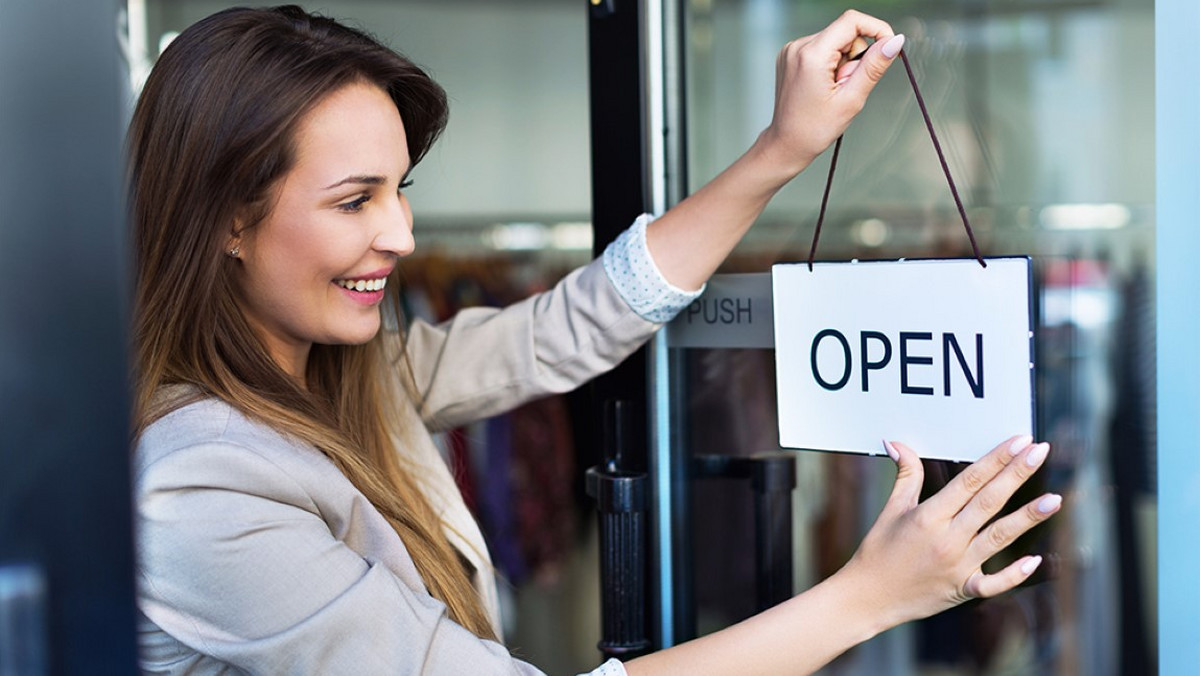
column 502, row 208
column 1046, row 112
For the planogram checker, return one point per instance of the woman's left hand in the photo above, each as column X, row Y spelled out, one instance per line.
column 923, row 558
column 918, row 559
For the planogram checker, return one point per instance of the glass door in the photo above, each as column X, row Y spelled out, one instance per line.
column 1050, row 138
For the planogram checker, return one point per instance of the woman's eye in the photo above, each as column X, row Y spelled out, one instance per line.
column 355, row 206
column 406, row 183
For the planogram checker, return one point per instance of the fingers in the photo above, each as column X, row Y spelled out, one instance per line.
column 845, row 70
column 841, row 41
column 850, row 59
column 949, row 501
column 992, row 497
column 840, row 35
column 984, row 586
column 847, row 37
column 873, row 65
column 910, row 475
column 1005, row 531
column 855, row 49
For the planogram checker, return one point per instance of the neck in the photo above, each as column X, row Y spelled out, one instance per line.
column 294, row 364
column 292, row 357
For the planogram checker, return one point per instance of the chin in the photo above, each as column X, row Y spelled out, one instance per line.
column 360, row 339
column 362, row 328
column 359, row 335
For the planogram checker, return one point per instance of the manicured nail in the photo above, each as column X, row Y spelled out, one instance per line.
column 893, row 46
column 891, row 450
column 1031, row 564
column 1049, row 503
column 1037, row 454
column 1019, row 444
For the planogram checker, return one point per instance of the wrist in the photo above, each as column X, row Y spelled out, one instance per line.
column 778, row 159
column 869, row 603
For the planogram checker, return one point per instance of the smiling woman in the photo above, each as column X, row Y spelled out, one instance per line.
column 243, row 250
column 293, row 513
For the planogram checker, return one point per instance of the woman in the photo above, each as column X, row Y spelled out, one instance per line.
column 294, row 516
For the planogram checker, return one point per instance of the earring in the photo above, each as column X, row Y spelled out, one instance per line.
column 235, row 251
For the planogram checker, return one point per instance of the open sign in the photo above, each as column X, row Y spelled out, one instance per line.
column 935, row 353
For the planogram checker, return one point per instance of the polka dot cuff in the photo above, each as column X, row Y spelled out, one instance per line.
column 629, row 265
column 609, row 668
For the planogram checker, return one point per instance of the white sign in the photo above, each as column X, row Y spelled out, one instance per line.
column 937, row 354
column 734, row 311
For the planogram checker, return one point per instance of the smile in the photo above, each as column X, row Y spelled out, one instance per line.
column 362, row 284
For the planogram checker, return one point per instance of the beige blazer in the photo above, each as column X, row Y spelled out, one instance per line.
column 256, row 555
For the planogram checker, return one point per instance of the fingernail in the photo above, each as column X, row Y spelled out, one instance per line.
column 1019, row 444
column 1049, row 503
column 1031, row 565
column 891, row 450
column 893, row 46
column 1037, row 454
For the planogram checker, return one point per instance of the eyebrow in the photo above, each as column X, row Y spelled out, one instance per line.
column 358, row 180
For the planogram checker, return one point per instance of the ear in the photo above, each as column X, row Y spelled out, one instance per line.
column 233, row 245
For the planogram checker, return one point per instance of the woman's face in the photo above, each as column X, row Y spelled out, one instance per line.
column 314, row 270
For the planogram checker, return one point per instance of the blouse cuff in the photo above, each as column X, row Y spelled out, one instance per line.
column 610, row 668
column 637, row 278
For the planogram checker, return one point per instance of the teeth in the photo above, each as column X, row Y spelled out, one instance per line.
column 363, row 284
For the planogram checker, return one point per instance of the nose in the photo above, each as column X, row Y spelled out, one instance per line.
column 395, row 233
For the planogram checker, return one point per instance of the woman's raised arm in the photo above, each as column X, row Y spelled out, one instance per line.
column 818, row 91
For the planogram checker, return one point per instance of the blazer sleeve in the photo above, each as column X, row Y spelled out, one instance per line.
column 245, row 570
column 486, row 361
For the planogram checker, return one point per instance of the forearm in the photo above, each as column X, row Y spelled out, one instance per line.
column 798, row 636
column 691, row 240
column 487, row 361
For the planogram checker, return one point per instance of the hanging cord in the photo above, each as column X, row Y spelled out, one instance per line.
column 812, row 252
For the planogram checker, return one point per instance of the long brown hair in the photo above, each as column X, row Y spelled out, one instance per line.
column 212, row 134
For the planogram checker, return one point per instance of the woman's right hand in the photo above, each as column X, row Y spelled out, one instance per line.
column 922, row 558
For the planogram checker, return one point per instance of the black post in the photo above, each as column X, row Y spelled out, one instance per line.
column 618, row 169
column 619, row 195
column 616, row 104
column 618, row 166
column 621, row 502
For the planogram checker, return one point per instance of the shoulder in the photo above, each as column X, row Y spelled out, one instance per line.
column 208, row 444
column 207, row 420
